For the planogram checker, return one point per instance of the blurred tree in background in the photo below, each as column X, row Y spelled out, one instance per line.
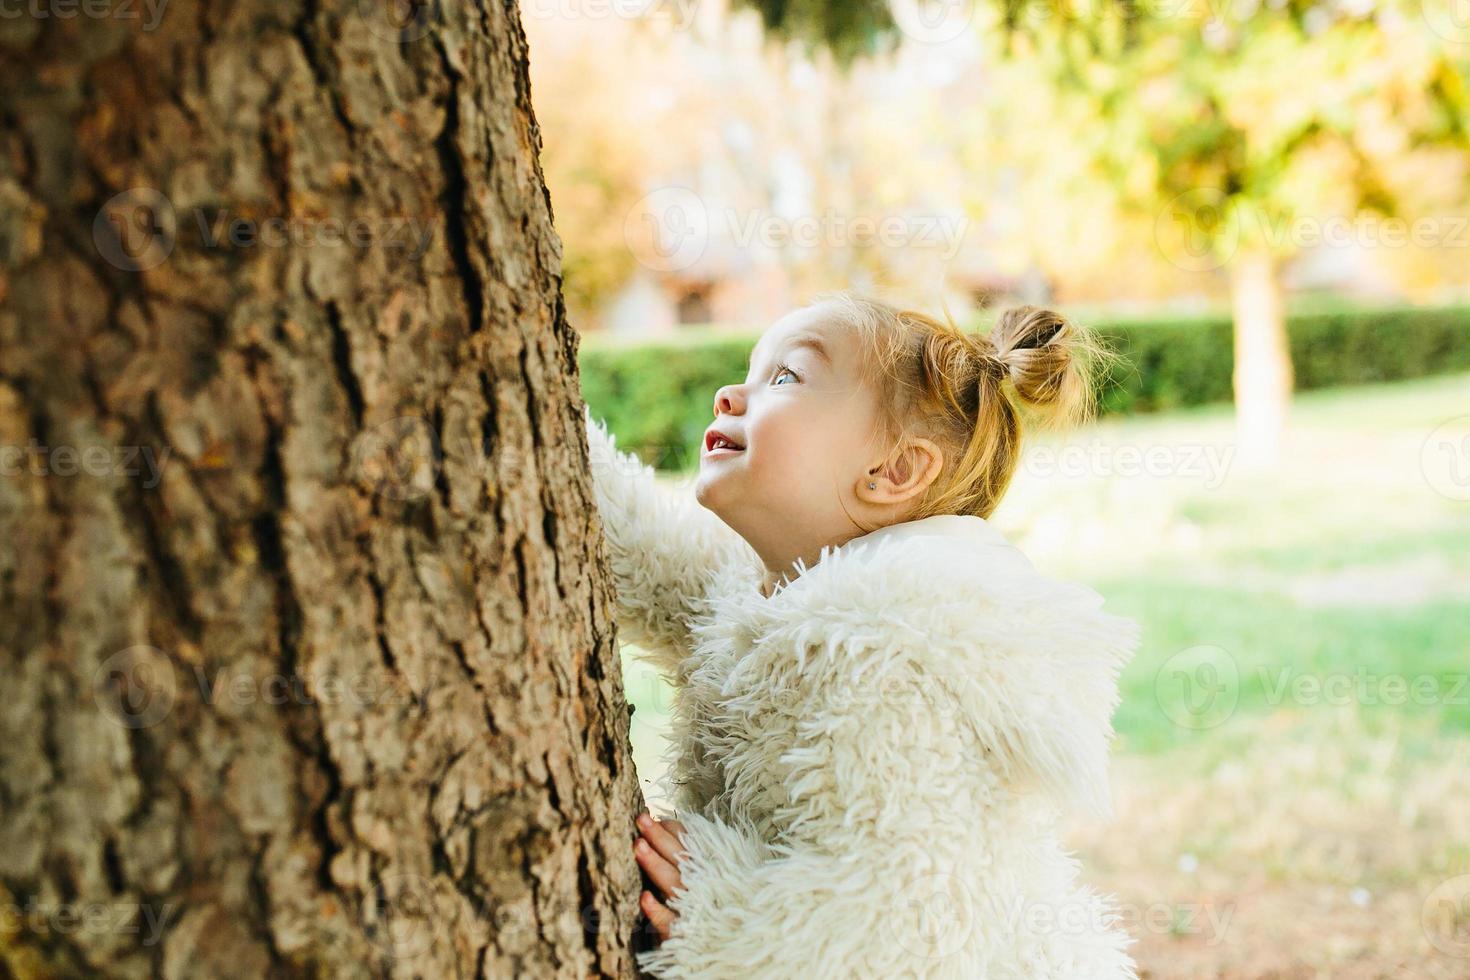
column 1248, row 132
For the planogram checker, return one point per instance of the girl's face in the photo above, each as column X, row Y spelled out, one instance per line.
column 804, row 424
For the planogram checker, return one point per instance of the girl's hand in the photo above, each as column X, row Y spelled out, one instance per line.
column 658, row 850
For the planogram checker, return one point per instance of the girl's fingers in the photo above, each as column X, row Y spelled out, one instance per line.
column 658, row 914
column 676, row 830
column 664, row 874
column 664, row 835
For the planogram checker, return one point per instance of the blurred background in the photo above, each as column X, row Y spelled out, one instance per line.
column 1264, row 205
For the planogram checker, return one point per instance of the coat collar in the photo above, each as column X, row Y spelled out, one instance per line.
column 962, row 536
column 956, row 526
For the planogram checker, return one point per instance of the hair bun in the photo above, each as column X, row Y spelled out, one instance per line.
column 1049, row 359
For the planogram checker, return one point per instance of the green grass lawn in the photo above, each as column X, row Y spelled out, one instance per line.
column 1338, row 580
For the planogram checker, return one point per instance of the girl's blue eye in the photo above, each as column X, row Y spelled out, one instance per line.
column 783, row 369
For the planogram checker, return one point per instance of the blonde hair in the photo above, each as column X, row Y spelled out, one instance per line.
column 970, row 392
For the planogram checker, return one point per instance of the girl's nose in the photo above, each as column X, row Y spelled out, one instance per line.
column 729, row 400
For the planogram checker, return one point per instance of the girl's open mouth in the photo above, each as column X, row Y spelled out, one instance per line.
column 716, row 444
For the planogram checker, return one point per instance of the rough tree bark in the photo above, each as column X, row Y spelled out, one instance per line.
column 304, row 616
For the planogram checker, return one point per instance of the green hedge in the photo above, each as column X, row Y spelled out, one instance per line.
column 659, row 396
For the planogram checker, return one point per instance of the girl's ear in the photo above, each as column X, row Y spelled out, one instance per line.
column 903, row 475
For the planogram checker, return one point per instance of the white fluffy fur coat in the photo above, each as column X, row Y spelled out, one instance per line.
column 870, row 764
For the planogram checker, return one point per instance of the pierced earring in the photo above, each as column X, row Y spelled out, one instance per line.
column 872, row 486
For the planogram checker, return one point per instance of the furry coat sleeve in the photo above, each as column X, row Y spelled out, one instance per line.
column 664, row 549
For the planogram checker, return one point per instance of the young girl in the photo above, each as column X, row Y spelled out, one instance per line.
column 881, row 705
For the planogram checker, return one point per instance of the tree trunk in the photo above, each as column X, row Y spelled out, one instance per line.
column 1263, row 374
column 304, row 618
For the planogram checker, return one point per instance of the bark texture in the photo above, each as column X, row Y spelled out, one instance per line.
column 328, row 687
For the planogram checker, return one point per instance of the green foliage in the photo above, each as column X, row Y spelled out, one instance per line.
column 659, row 397
column 1262, row 113
column 850, row 29
column 1167, row 362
